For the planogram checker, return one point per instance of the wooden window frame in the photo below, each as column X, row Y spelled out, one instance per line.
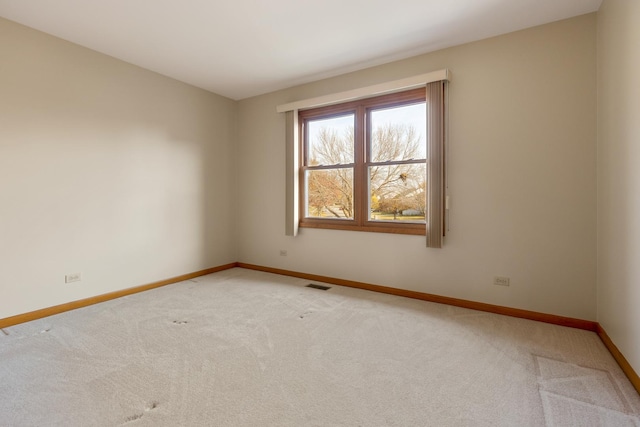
column 362, row 125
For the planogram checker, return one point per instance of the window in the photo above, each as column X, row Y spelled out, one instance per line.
column 361, row 184
column 364, row 164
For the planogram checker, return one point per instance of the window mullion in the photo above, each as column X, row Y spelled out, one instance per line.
column 360, row 182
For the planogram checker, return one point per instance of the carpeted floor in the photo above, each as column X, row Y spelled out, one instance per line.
column 244, row 348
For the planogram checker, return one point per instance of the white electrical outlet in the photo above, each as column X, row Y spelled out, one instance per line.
column 73, row 277
column 283, row 252
column 501, row 281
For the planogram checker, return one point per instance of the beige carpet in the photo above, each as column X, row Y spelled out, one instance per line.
column 243, row 348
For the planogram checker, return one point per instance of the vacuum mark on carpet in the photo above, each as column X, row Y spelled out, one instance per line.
column 573, row 382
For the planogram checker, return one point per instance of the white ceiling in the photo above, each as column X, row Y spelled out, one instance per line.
column 243, row 48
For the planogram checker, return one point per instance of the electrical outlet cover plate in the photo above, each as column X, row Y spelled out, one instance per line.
column 74, row 277
column 501, row 281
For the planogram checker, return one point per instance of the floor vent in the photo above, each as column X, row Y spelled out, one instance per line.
column 314, row 286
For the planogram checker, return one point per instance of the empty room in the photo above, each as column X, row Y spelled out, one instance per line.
column 338, row 213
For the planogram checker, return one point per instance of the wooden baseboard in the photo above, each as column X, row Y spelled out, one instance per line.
column 50, row 311
column 514, row 312
column 622, row 361
column 508, row 311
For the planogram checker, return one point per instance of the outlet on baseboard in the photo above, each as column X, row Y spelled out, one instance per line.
column 73, row 277
column 501, row 281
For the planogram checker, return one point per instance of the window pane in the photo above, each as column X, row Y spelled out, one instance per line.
column 398, row 133
column 397, row 193
column 329, row 193
column 331, row 141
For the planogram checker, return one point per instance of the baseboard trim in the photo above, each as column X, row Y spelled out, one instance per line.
column 619, row 357
column 497, row 309
column 507, row 311
column 50, row 311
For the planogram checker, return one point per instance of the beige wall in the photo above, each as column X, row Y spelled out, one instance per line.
column 105, row 169
column 619, row 174
column 522, row 178
column 129, row 177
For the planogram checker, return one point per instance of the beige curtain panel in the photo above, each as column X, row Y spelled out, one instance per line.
column 436, row 134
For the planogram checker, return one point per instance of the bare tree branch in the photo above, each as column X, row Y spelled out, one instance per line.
column 393, row 188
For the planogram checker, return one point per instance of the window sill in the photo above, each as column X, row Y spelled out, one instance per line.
column 373, row 227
